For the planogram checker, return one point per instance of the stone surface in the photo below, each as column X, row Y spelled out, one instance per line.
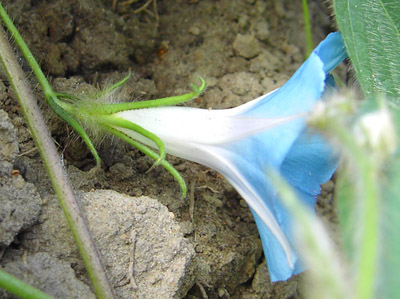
column 142, row 245
column 8, row 144
column 48, row 274
column 20, row 205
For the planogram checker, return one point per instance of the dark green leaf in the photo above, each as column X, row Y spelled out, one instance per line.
column 371, row 32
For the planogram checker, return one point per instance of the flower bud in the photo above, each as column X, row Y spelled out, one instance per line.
column 376, row 131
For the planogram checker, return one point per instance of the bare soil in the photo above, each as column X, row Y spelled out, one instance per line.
column 242, row 48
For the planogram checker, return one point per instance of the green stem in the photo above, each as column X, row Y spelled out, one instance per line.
column 66, row 112
column 48, row 91
column 367, row 209
column 115, row 121
column 54, row 167
column 50, row 95
column 153, row 155
column 169, row 101
column 368, row 250
column 20, row 288
column 307, row 25
column 113, row 87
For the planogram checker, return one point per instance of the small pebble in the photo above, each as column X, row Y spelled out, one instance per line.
column 246, row 45
column 194, row 30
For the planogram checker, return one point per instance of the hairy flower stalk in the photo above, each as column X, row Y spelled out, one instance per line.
column 241, row 143
column 99, row 116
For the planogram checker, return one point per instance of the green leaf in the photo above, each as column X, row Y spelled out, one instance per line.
column 371, row 32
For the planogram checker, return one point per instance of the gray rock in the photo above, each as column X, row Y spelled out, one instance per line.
column 20, row 205
column 142, row 246
column 8, row 144
column 48, row 274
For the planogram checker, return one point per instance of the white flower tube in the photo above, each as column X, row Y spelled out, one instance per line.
column 242, row 142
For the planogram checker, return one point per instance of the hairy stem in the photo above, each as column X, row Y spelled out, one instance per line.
column 169, row 101
column 50, row 95
column 54, row 167
column 48, row 91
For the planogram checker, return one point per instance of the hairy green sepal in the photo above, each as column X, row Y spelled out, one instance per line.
column 76, row 110
column 153, row 155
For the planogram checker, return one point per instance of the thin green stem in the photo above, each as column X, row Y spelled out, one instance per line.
column 65, row 113
column 368, row 249
column 307, row 27
column 20, row 288
column 54, row 167
column 48, row 91
column 122, row 123
column 169, row 101
column 153, row 155
column 113, row 87
column 50, row 95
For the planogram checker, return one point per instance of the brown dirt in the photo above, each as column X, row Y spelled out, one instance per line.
column 242, row 48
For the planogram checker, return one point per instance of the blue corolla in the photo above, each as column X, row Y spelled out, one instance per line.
column 243, row 142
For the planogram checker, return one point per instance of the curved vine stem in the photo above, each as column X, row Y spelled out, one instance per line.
column 169, row 101
column 122, row 123
column 50, row 95
column 150, row 153
column 49, row 154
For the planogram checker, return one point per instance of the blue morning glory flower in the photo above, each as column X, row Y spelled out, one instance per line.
column 242, row 142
